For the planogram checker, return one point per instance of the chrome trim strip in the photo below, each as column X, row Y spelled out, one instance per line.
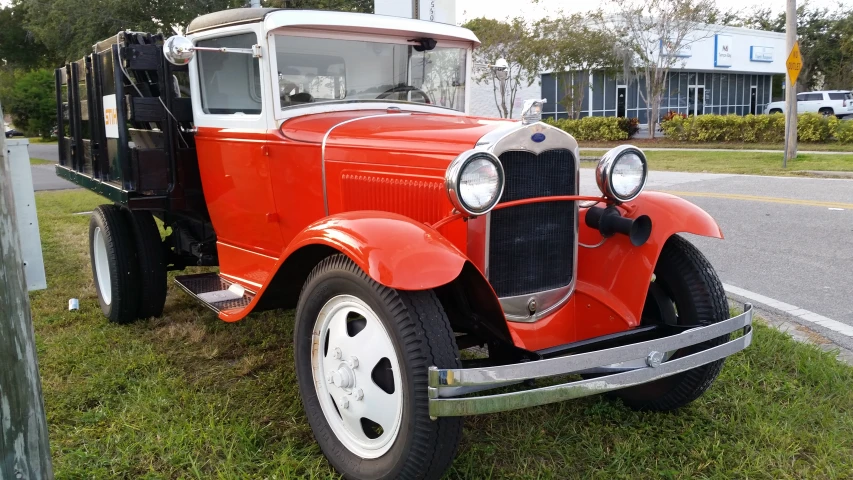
column 444, row 407
column 517, row 137
column 584, row 361
column 515, row 308
column 323, row 151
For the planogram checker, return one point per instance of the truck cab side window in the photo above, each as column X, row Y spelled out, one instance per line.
column 230, row 82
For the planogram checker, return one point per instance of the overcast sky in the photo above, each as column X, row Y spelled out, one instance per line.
column 500, row 9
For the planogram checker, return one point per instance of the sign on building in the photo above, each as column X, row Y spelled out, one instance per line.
column 667, row 48
column 723, row 51
column 760, row 54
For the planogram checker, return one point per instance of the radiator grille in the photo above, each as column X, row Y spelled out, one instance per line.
column 531, row 247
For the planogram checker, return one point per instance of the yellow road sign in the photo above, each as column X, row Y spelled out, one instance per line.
column 794, row 63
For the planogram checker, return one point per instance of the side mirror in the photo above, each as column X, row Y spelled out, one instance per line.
column 178, row 50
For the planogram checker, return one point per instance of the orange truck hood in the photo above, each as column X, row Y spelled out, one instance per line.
column 442, row 136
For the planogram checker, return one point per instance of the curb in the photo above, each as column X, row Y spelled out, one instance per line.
column 785, row 323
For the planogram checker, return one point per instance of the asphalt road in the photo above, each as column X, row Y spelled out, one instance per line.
column 787, row 238
column 44, row 176
column 45, row 151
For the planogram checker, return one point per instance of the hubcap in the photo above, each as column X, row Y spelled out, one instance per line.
column 357, row 376
column 102, row 266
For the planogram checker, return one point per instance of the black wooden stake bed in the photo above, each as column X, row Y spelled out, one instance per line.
column 126, row 132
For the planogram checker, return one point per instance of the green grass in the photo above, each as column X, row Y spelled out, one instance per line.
column 663, row 142
column 40, row 161
column 188, row 396
column 740, row 162
column 52, row 140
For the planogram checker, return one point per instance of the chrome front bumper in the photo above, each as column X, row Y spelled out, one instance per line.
column 444, row 384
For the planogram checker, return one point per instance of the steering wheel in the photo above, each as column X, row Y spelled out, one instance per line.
column 302, row 97
column 404, row 88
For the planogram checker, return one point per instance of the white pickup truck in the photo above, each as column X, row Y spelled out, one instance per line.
column 827, row 102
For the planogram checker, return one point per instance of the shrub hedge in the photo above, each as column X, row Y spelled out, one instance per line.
column 597, row 128
column 812, row 127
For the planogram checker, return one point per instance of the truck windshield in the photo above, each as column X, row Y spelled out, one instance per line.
column 315, row 70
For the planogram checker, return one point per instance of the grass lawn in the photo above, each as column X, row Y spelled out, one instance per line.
column 189, row 396
column 740, row 162
column 40, row 161
column 666, row 143
column 52, row 140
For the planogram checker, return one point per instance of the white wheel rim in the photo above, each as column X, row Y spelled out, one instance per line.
column 345, row 386
column 102, row 266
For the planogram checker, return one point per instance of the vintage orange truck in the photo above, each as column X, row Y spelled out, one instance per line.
column 325, row 162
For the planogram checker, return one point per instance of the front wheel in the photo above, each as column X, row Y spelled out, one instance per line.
column 362, row 353
column 685, row 291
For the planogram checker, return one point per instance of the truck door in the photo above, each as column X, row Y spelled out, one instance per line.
column 231, row 116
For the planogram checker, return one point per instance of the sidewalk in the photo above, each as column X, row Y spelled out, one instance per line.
column 676, row 149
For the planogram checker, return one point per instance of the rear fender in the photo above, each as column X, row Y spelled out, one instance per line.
column 617, row 274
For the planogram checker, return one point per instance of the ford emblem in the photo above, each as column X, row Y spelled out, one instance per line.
column 538, row 137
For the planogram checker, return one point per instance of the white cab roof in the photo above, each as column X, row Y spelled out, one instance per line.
column 368, row 24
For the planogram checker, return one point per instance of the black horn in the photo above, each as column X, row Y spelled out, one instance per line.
column 609, row 221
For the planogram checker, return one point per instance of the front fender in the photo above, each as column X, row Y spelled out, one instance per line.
column 392, row 249
column 617, row 274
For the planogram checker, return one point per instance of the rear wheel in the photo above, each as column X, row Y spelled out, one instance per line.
column 686, row 291
column 826, row 112
column 775, row 110
column 114, row 263
column 152, row 263
column 362, row 353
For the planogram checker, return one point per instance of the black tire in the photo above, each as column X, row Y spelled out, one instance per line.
column 775, row 110
column 152, row 263
column 121, row 303
column 686, row 278
column 826, row 112
column 421, row 333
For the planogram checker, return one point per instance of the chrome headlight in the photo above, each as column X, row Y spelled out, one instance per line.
column 475, row 182
column 621, row 173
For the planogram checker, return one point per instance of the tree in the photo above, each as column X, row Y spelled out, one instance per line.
column 70, row 27
column 32, row 102
column 360, row 6
column 513, row 41
column 650, row 33
column 575, row 45
column 18, row 46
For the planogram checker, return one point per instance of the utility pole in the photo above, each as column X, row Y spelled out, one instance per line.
column 24, row 448
column 791, row 85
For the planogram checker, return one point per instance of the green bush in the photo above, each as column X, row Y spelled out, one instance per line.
column 592, row 128
column 32, row 103
column 813, row 127
column 844, row 132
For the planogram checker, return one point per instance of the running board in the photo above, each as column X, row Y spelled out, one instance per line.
column 215, row 292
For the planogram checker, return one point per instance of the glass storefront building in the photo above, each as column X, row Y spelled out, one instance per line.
column 691, row 93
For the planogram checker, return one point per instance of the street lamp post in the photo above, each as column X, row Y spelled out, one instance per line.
column 501, row 72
